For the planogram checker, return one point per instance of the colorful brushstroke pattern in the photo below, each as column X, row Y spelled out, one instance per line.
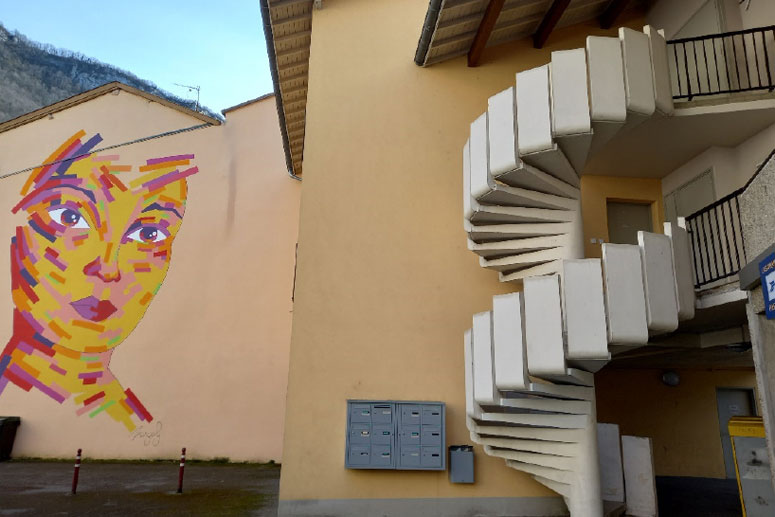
column 92, row 255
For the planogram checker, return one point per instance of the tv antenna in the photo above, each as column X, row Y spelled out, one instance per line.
column 191, row 89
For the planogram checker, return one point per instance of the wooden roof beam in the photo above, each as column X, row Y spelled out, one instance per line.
column 287, row 3
column 612, row 12
column 292, row 19
column 549, row 22
column 491, row 14
column 280, row 40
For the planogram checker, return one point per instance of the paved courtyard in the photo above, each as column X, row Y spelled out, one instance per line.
column 105, row 489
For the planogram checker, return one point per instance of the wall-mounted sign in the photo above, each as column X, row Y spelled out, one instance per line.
column 767, row 273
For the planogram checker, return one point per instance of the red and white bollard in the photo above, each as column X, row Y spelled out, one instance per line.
column 182, row 466
column 75, row 471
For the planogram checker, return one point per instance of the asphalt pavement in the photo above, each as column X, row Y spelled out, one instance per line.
column 40, row 488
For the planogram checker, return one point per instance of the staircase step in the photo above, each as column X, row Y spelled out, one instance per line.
column 684, row 272
column 607, row 100
column 534, row 112
column 523, row 260
column 543, row 322
column 638, row 75
column 535, row 446
column 663, row 92
column 484, row 383
column 625, row 298
column 573, row 376
column 529, row 177
column 640, row 489
column 553, row 161
column 609, row 446
column 499, row 249
column 488, row 191
column 490, row 214
column 495, row 193
column 588, row 365
column 504, row 162
column 559, row 476
column 571, row 124
column 584, row 310
column 572, row 407
column 560, row 391
column 659, row 282
column 527, row 433
column 557, row 421
column 509, row 342
column 506, row 232
column 576, row 148
column 519, row 275
column 472, row 408
column 534, row 126
column 501, row 132
column 542, row 460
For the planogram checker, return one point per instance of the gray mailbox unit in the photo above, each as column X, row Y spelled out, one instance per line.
column 389, row 434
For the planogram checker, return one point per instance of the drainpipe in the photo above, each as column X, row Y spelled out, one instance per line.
column 428, row 28
column 276, row 82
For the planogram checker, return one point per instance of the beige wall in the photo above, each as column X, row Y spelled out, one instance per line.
column 757, row 14
column 687, row 18
column 209, row 359
column 385, row 285
column 732, row 166
column 682, row 421
column 596, row 191
column 127, row 116
column 671, row 16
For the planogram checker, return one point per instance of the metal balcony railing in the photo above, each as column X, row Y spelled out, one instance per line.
column 729, row 62
column 716, row 238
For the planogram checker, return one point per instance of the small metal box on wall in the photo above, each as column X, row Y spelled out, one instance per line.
column 752, row 466
column 461, row 464
column 390, row 434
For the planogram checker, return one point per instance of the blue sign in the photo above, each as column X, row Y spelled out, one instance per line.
column 767, row 274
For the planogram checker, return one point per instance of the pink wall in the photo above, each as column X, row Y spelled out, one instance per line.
column 209, row 359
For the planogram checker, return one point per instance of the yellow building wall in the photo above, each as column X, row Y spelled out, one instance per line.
column 682, row 421
column 209, row 359
column 596, row 191
column 385, row 284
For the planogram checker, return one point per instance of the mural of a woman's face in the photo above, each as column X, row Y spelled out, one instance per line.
column 96, row 245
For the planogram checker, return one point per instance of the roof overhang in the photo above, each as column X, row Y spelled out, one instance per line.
column 288, row 31
column 93, row 94
column 246, row 103
column 455, row 28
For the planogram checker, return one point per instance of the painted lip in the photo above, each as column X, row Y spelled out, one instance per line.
column 93, row 309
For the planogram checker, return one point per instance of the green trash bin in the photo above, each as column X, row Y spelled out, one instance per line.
column 8, row 426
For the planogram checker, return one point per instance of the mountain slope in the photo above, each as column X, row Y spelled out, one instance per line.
column 33, row 75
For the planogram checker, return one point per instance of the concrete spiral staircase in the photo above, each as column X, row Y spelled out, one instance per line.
column 530, row 361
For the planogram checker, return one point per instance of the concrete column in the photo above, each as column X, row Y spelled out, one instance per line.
column 758, row 228
column 763, row 348
column 639, row 483
column 586, row 498
column 611, row 470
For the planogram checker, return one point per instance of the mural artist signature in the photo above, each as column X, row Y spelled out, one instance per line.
column 148, row 437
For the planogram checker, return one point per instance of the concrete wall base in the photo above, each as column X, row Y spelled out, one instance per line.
column 426, row 507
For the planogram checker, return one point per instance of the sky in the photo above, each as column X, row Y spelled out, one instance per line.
column 217, row 45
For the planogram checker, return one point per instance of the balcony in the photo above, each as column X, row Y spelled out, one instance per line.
column 716, row 239
column 726, row 63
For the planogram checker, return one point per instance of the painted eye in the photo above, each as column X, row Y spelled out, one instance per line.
column 148, row 234
column 68, row 217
